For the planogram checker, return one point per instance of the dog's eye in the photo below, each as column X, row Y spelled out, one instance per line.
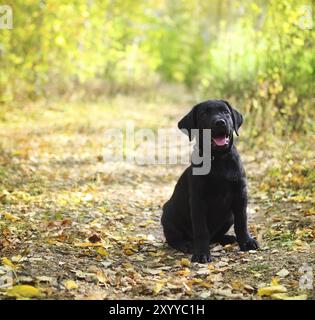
column 226, row 112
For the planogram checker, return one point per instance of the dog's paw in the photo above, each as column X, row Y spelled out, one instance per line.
column 201, row 258
column 250, row 244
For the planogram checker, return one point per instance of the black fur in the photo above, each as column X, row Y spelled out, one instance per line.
column 204, row 207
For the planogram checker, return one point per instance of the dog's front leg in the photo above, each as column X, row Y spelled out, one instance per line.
column 201, row 237
column 244, row 239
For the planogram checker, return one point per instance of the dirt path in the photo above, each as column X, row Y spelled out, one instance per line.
column 75, row 231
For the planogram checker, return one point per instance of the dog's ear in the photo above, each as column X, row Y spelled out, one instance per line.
column 189, row 122
column 236, row 117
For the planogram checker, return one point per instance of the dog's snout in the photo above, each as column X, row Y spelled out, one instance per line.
column 220, row 123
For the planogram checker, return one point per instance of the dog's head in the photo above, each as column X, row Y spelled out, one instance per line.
column 217, row 115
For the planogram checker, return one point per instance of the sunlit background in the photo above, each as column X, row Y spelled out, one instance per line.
column 259, row 53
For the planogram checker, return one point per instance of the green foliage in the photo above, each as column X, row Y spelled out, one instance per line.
column 259, row 54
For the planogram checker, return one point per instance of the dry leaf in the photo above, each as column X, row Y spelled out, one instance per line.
column 284, row 296
column 228, row 293
column 6, row 261
column 88, row 244
column 185, row 272
column 95, row 238
column 283, row 273
column 10, row 217
column 45, row 279
column 102, row 252
column 158, row 287
column 24, row 291
column 70, row 284
column 184, row 262
column 237, row 285
column 268, row 291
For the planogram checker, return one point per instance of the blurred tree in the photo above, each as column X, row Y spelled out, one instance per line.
column 259, row 53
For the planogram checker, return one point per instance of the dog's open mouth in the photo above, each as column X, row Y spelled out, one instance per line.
column 221, row 140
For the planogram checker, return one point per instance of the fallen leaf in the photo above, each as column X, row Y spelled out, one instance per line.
column 44, row 279
column 284, row 296
column 152, row 271
column 70, row 284
column 228, row 293
column 283, row 273
column 218, row 277
column 101, row 277
column 268, row 291
column 237, row 285
column 310, row 212
column 185, row 272
column 10, row 217
column 88, row 244
column 18, row 258
column 158, row 287
column 95, row 238
column 24, row 291
column 6, row 261
column 221, row 264
column 129, row 252
column 184, row 262
column 205, row 295
column 102, row 252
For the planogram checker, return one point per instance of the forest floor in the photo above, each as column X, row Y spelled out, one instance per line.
column 73, row 228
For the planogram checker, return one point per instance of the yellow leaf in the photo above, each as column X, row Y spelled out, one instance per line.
column 274, row 282
column 7, row 262
column 101, row 277
column 310, row 212
column 102, row 252
column 268, row 291
column 70, row 284
column 10, row 217
column 158, row 286
column 129, row 252
column 196, row 280
column 237, row 285
column 24, row 291
column 88, row 244
column 184, row 262
column 284, row 296
column 185, row 272
column 211, row 267
column 127, row 265
column 205, row 284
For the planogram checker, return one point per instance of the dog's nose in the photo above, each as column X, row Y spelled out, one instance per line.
column 220, row 123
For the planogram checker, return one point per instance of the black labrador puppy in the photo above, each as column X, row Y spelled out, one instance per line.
column 204, row 207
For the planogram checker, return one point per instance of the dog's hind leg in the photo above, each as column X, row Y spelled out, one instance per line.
column 184, row 246
column 175, row 237
column 221, row 237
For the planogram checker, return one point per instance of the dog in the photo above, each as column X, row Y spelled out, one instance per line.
column 203, row 208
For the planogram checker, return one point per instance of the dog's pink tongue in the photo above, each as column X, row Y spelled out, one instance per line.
column 220, row 141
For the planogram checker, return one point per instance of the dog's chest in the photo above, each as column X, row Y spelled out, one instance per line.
column 218, row 192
